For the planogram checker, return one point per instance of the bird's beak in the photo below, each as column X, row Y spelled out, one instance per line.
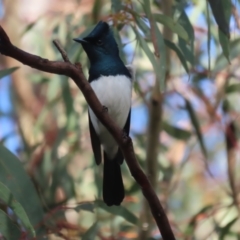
column 80, row 40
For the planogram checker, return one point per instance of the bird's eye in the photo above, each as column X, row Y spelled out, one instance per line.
column 99, row 42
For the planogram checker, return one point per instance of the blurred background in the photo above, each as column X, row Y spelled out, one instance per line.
column 184, row 124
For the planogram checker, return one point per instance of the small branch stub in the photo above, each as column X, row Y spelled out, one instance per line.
column 61, row 50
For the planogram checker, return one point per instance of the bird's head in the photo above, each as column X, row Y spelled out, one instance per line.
column 100, row 43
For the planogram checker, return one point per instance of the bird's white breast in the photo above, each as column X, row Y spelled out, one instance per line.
column 114, row 92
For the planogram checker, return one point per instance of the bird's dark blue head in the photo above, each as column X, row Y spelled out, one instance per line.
column 100, row 43
column 102, row 51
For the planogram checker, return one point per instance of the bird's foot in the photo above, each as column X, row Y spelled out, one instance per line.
column 78, row 66
column 124, row 135
column 105, row 109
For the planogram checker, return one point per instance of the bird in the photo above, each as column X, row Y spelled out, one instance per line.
column 111, row 81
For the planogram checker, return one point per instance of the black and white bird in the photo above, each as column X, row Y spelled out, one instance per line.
column 111, row 81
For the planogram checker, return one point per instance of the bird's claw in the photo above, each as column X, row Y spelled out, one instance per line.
column 105, row 109
column 124, row 135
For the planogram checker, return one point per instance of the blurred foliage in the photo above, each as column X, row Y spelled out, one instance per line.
column 54, row 187
column 6, row 72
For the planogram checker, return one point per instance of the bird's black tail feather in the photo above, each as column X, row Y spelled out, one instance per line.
column 113, row 189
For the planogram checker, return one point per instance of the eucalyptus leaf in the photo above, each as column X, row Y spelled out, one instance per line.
column 91, row 232
column 142, row 25
column 147, row 51
column 31, row 25
column 161, row 73
column 7, row 197
column 6, row 72
column 171, row 24
column 159, row 59
column 87, row 206
column 224, row 41
column 118, row 211
column 221, row 61
column 96, row 10
column 179, row 53
column 233, row 88
column 190, row 228
column 219, row 15
column 187, row 47
column 222, row 12
column 68, row 103
column 176, row 132
column 196, row 125
column 209, row 39
column 60, row 175
column 8, row 229
column 14, row 177
column 226, row 229
column 116, row 5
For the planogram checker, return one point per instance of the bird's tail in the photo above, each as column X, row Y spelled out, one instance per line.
column 113, row 189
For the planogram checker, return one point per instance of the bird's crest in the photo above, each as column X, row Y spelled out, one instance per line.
column 101, row 29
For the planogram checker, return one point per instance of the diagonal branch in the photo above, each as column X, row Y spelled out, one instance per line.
column 125, row 143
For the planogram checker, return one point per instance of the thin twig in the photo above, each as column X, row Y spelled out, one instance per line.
column 61, row 50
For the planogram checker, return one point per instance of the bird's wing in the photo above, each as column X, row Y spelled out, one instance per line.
column 96, row 145
column 126, row 129
column 127, row 124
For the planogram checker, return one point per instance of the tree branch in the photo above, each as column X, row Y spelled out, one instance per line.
column 61, row 50
column 125, row 143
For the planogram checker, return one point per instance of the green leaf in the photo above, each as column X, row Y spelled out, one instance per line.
column 233, row 88
column 87, row 206
column 227, row 9
column 147, row 50
column 118, row 211
column 133, row 189
column 91, row 232
column 179, row 53
column 221, row 61
column 6, row 72
column 222, row 12
column 31, row 25
column 209, row 39
column 147, row 8
column 96, row 10
column 116, row 5
column 62, row 32
column 159, row 64
column 196, row 125
column 176, row 132
column 60, row 175
column 172, row 25
column 161, row 73
column 190, row 228
column 7, row 197
column 142, row 25
column 220, row 15
column 53, row 88
column 225, row 44
column 17, row 181
column 187, row 47
column 225, row 230
column 68, row 102
column 8, row 229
